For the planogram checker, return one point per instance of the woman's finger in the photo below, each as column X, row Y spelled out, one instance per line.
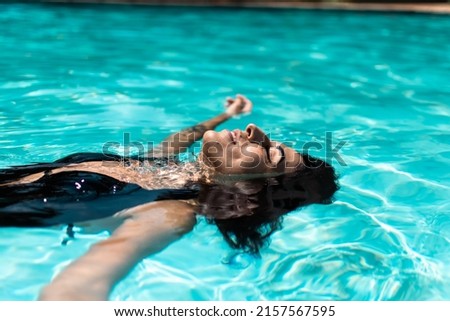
column 248, row 105
column 229, row 101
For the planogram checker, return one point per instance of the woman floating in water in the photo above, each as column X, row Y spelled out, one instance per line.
column 242, row 181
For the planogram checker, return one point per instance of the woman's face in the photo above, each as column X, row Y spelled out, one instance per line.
column 247, row 152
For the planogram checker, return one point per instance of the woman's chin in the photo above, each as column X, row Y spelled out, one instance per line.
column 210, row 135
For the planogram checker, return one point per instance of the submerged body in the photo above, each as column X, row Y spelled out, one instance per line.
column 83, row 192
column 146, row 174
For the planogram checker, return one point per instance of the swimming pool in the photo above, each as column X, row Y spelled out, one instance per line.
column 74, row 78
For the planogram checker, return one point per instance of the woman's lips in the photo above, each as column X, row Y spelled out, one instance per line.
column 237, row 133
column 233, row 136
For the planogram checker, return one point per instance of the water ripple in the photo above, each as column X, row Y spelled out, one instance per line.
column 73, row 86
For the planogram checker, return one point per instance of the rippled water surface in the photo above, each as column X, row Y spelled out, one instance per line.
column 73, row 78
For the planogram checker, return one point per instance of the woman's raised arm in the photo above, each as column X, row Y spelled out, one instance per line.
column 179, row 142
column 146, row 229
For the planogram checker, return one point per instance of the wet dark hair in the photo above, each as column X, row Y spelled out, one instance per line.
column 247, row 212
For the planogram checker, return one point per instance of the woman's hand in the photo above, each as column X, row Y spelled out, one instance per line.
column 238, row 105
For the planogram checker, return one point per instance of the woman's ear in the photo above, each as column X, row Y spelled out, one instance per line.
column 275, row 155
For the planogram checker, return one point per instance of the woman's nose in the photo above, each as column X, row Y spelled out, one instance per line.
column 250, row 130
column 256, row 135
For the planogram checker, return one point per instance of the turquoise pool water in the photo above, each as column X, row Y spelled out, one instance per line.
column 73, row 78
